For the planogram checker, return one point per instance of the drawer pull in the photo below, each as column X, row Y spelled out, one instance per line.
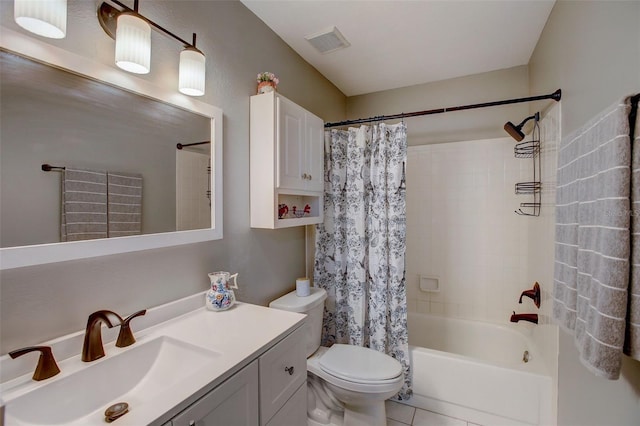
column 289, row 370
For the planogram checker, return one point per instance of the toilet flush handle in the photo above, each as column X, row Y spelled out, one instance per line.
column 289, row 370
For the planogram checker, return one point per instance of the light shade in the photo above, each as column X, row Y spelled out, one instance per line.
column 192, row 72
column 133, row 43
column 47, row 18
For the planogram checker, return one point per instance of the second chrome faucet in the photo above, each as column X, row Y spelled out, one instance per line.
column 92, row 348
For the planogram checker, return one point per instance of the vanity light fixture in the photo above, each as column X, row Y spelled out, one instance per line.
column 192, row 73
column 46, row 18
column 132, row 33
column 133, row 42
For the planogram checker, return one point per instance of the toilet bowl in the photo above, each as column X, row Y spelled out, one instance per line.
column 361, row 379
column 346, row 385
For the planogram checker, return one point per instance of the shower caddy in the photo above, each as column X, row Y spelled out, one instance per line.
column 530, row 149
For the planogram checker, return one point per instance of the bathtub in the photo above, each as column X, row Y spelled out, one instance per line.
column 475, row 371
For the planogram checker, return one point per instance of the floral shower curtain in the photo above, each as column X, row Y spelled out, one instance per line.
column 360, row 247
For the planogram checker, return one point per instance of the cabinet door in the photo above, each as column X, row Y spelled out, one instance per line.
column 294, row 411
column 233, row 403
column 283, row 369
column 314, row 153
column 290, row 137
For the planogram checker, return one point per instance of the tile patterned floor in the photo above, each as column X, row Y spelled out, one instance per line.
column 403, row 415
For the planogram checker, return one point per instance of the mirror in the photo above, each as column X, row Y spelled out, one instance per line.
column 66, row 111
column 51, row 116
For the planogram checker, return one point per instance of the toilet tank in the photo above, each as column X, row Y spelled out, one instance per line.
column 313, row 306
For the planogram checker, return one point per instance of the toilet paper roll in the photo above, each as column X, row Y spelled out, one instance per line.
column 303, row 287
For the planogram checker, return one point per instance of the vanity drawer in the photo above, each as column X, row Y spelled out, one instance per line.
column 283, row 369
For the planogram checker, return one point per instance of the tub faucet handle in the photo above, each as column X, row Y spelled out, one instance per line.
column 533, row 294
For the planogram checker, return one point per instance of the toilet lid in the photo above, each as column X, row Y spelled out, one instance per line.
column 360, row 364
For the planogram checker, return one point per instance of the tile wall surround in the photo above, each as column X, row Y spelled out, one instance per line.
column 463, row 229
column 542, row 229
column 541, row 247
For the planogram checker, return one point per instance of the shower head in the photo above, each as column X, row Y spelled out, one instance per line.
column 516, row 131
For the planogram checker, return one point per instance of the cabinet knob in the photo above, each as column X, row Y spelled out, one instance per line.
column 309, row 177
column 304, row 176
column 289, row 370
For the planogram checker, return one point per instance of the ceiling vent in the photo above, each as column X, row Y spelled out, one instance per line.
column 328, row 40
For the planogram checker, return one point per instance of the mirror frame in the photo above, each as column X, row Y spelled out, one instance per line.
column 32, row 48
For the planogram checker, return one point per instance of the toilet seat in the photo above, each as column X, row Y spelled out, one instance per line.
column 359, row 364
column 338, row 375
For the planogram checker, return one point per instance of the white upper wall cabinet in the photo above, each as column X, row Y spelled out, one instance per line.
column 300, row 136
column 287, row 163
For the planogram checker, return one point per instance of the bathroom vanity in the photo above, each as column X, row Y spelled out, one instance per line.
column 271, row 391
column 243, row 366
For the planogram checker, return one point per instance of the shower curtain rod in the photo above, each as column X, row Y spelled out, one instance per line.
column 556, row 96
column 184, row 145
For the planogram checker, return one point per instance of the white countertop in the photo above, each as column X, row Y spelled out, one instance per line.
column 239, row 335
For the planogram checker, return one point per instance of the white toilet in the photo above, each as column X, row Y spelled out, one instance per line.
column 346, row 385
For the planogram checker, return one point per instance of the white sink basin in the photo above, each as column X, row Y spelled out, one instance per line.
column 136, row 376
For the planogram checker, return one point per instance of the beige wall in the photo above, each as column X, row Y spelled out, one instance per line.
column 592, row 51
column 43, row 302
column 485, row 123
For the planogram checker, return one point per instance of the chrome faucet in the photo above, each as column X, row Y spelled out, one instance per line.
column 524, row 317
column 92, row 348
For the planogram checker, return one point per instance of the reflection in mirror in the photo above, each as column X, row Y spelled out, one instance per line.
column 53, row 116
column 156, row 118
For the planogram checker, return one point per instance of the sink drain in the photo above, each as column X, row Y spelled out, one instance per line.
column 116, row 411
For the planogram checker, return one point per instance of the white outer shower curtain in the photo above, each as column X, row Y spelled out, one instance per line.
column 360, row 247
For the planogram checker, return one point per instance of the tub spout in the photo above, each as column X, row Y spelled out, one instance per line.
column 534, row 294
column 524, row 317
